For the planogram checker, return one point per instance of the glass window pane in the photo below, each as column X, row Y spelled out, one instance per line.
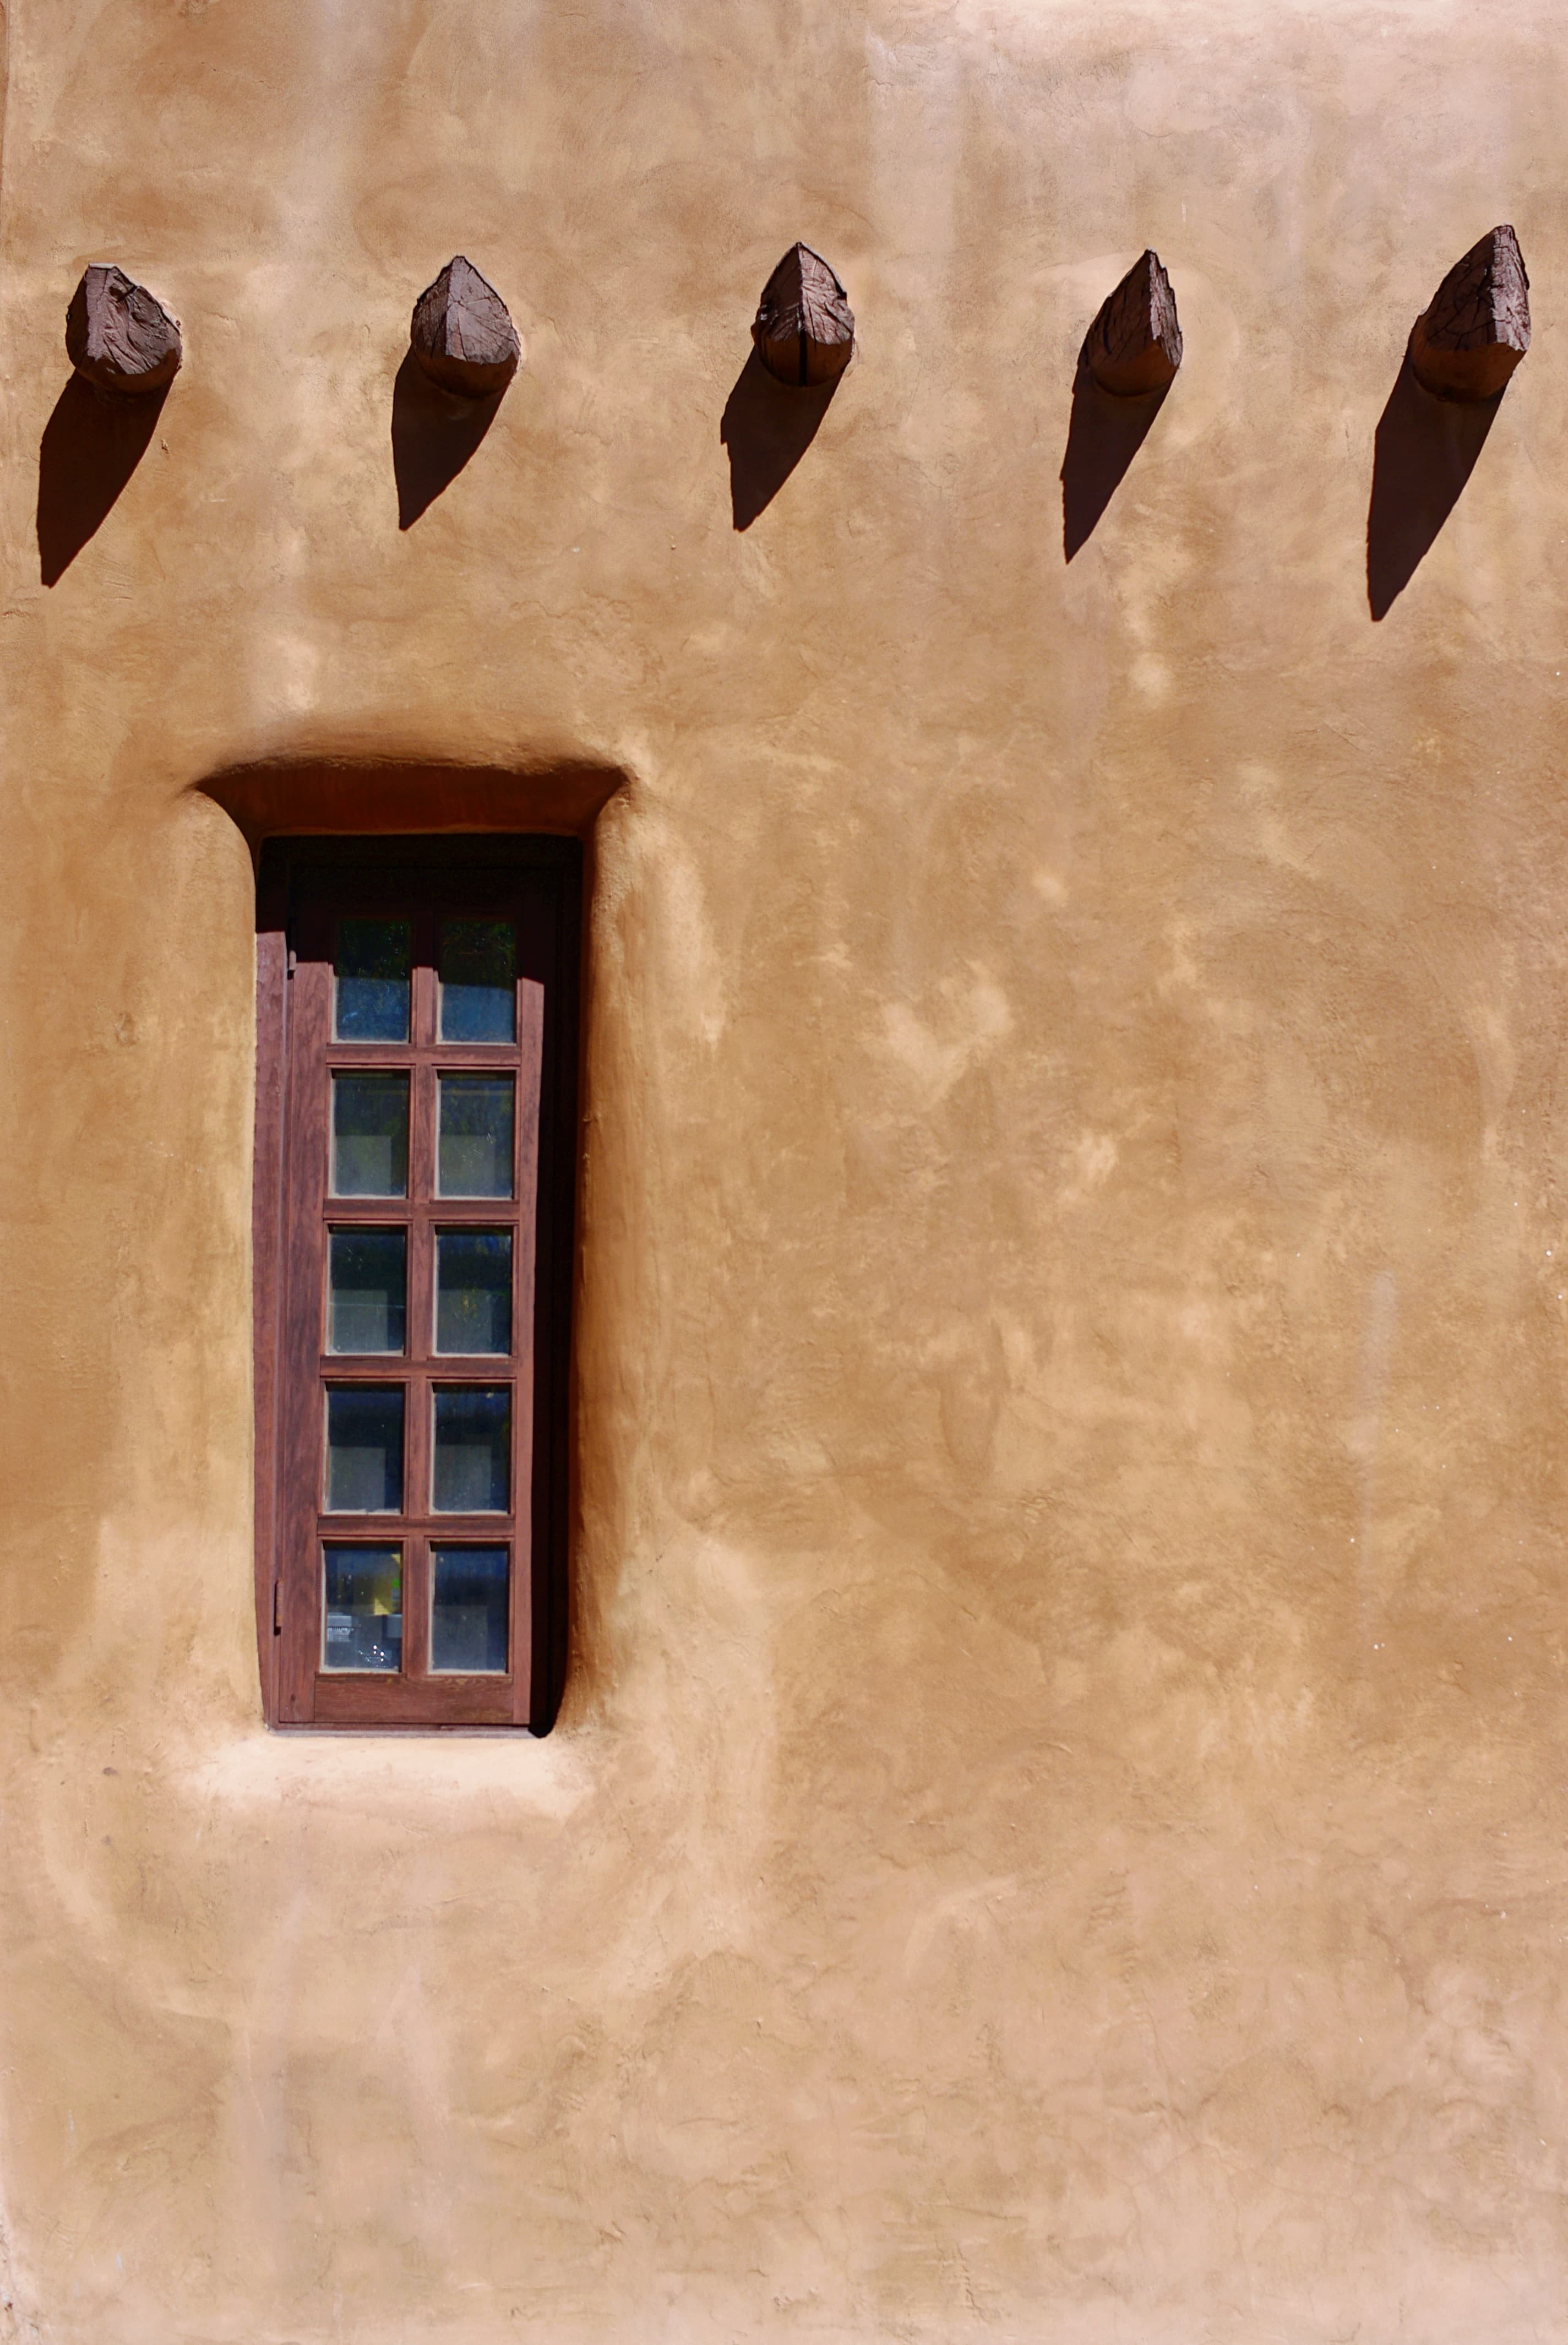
column 478, row 982
column 370, row 1135
column 473, row 1291
column 469, row 1607
column 368, row 1284
column 474, row 1157
column 364, row 1449
column 362, row 1608
column 473, row 1449
column 371, row 986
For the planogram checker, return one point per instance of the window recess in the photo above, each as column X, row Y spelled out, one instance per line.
column 416, row 1124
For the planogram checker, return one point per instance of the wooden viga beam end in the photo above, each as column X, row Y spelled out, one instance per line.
column 805, row 328
column 118, row 336
column 1133, row 347
column 1468, row 342
column 462, row 334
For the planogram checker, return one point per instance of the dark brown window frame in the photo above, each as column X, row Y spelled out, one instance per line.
column 304, row 885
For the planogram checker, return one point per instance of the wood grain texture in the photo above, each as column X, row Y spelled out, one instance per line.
column 1467, row 342
column 267, row 1238
column 805, row 328
column 1133, row 347
column 462, row 335
column 118, row 336
column 359, row 798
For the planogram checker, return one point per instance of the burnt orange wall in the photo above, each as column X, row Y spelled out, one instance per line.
column 1057, row 1831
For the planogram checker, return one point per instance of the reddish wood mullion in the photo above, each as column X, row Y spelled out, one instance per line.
column 301, row 1450
column 268, row 1196
column 464, row 1057
column 416, row 1438
column 421, row 1286
column 353, row 1058
column 422, row 1137
column 534, row 1003
column 480, row 1213
column 537, row 925
column 422, row 1183
column 365, row 1213
column 557, row 908
column 421, row 1189
column 530, row 1006
column 416, row 1607
column 472, row 1530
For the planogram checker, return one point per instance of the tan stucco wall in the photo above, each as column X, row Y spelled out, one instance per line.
column 1058, row 1827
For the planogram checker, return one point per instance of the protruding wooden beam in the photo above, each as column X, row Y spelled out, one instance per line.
column 118, row 336
column 462, row 335
column 1133, row 347
column 1477, row 328
column 805, row 328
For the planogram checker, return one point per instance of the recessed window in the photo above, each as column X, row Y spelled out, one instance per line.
column 415, row 1135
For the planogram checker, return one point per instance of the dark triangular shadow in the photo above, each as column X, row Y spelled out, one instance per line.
column 1424, row 452
column 92, row 444
column 434, row 433
column 767, row 427
column 1104, row 435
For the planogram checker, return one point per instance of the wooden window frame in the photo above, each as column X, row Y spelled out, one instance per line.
column 304, row 886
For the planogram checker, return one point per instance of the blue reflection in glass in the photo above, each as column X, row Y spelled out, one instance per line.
column 478, row 982
column 371, row 987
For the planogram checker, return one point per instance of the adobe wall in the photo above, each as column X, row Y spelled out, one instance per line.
column 1056, row 1829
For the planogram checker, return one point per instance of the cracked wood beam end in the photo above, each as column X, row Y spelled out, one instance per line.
column 1133, row 347
column 462, row 335
column 1467, row 343
column 805, row 328
column 118, row 336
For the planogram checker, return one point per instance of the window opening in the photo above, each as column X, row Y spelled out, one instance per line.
column 416, row 1123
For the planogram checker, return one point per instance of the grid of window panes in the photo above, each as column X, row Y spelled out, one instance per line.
column 419, row 1307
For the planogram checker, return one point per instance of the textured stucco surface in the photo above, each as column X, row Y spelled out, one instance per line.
column 1058, row 1827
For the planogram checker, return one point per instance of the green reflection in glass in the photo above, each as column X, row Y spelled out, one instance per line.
column 370, row 1135
column 362, row 1608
